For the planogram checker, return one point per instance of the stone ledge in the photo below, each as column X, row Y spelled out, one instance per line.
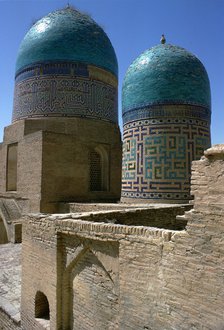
column 216, row 149
column 10, row 310
column 94, row 228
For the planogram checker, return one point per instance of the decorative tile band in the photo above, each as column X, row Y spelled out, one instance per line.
column 157, row 156
column 52, row 68
column 167, row 110
column 65, row 90
column 160, row 121
column 158, row 196
column 72, row 69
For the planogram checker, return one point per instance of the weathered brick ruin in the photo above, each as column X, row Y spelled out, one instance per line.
column 85, row 272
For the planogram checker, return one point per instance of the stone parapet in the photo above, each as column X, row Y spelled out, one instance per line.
column 207, row 180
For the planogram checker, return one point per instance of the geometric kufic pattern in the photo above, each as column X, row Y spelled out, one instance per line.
column 157, row 158
column 64, row 93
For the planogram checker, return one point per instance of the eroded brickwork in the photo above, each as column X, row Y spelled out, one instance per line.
column 131, row 277
column 107, row 275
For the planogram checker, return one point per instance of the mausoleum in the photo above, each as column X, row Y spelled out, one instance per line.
column 64, row 141
column 166, row 106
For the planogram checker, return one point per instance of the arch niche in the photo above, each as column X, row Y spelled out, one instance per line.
column 3, row 232
column 92, row 299
column 42, row 310
column 99, row 169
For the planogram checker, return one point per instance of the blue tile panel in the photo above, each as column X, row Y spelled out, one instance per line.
column 67, row 35
column 157, row 152
column 162, row 112
column 165, row 74
column 56, row 68
column 64, row 89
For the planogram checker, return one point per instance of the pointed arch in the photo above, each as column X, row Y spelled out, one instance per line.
column 42, row 309
column 105, row 167
column 80, row 255
column 99, row 169
column 3, row 232
column 79, row 282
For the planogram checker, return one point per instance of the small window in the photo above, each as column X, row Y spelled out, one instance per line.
column 42, row 310
column 11, row 180
column 95, row 171
column 99, row 169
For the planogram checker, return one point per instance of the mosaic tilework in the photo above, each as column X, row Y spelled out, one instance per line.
column 64, row 89
column 163, row 112
column 53, row 68
column 70, row 35
column 166, row 106
column 157, row 156
column 165, row 73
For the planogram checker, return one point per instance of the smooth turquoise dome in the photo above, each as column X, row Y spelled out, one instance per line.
column 165, row 74
column 67, row 35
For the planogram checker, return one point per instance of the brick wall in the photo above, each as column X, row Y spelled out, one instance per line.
column 52, row 162
column 39, row 269
column 131, row 277
column 160, row 217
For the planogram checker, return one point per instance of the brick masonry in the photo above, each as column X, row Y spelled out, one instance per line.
column 133, row 277
column 53, row 165
column 105, row 275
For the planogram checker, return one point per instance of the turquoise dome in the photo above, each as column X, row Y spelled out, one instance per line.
column 165, row 74
column 67, row 35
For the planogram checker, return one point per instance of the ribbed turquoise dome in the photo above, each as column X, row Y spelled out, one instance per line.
column 67, row 35
column 166, row 74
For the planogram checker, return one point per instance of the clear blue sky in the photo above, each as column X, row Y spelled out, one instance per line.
column 132, row 26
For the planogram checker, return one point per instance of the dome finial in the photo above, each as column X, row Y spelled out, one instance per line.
column 163, row 39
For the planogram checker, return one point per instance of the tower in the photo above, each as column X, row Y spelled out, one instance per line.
column 64, row 142
column 166, row 116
